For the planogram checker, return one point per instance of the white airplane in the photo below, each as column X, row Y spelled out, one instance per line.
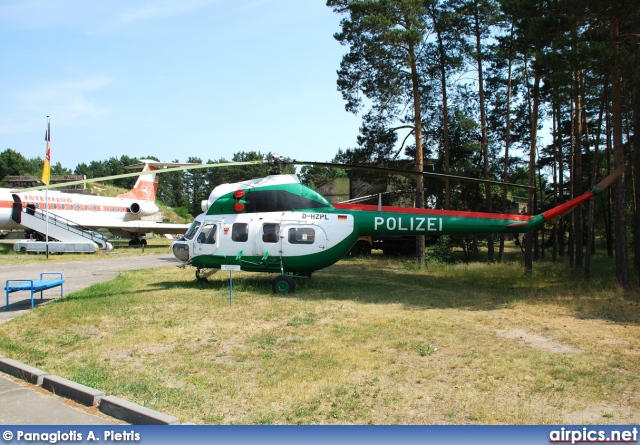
column 120, row 215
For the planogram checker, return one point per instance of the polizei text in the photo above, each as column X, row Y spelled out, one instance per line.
column 413, row 224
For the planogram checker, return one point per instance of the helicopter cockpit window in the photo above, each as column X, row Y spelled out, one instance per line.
column 302, row 235
column 192, row 230
column 207, row 234
column 240, row 232
column 270, row 233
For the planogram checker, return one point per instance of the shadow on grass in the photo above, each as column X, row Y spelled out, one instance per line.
column 472, row 287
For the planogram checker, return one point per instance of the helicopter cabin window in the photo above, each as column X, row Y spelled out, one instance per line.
column 300, row 235
column 207, row 234
column 192, row 230
column 270, row 233
column 240, row 232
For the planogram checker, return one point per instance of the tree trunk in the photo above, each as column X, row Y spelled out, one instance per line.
column 562, row 224
column 622, row 268
column 420, row 240
column 556, row 157
column 484, row 144
column 636, row 150
column 572, row 175
column 507, row 143
column 445, row 121
column 608, row 220
column 532, row 172
column 577, row 175
column 540, row 199
column 594, row 175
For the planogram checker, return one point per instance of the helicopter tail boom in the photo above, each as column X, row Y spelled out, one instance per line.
column 385, row 220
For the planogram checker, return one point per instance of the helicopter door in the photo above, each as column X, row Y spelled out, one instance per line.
column 206, row 242
column 269, row 241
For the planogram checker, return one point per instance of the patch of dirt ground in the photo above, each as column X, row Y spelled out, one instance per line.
column 538, row 342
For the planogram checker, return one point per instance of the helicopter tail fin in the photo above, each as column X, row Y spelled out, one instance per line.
column 565, row 208
column 146, row 186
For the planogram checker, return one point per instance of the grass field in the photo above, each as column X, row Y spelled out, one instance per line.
column 366, row 341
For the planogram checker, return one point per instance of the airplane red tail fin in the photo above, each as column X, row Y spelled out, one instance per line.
column 146, row 186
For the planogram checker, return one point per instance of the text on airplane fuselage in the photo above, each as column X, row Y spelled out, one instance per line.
column 415, row 223
column 33, row 198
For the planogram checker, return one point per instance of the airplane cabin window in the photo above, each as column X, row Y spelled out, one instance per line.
column 240, row 232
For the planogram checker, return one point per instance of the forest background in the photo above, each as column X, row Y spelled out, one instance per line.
column 463, row 87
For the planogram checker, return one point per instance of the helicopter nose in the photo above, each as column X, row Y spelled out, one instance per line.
column 180, row 251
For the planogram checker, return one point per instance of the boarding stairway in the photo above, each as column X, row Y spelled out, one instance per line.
column 58, row 228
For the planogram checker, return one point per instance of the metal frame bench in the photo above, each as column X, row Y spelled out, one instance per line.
column 34, row 286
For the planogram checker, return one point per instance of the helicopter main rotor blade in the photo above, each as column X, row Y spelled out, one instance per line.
column 129, row 175
column 408, row 172
column 191, row 166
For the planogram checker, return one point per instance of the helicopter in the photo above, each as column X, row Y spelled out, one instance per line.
column 277, row 224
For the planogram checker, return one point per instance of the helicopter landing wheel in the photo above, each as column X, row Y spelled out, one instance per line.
column 202, row 275
column 283, row 284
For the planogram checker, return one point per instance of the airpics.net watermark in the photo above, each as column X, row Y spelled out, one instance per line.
column 586, row 435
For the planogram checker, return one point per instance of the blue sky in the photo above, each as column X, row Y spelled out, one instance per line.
column 171, row 78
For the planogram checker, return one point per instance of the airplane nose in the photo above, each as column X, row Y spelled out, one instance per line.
column 180, row 251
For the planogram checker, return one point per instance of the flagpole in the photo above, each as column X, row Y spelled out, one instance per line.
column 46, row 213
column 46, row 172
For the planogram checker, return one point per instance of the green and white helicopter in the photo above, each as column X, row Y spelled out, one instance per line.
column 277, row 224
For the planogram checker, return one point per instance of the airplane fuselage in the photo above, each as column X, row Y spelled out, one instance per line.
column 122, row 215
column 85, row 210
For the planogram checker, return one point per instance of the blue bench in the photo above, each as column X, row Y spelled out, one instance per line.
column 34, row 285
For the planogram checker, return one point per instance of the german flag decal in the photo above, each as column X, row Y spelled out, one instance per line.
column 342, row 217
